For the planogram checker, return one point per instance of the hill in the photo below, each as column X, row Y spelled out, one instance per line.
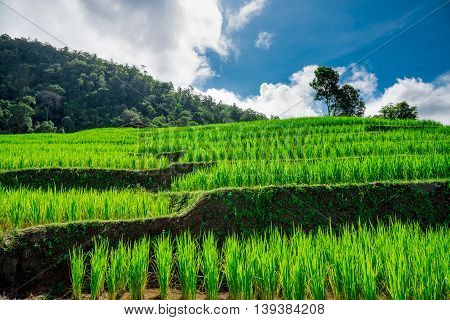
column 77, row 90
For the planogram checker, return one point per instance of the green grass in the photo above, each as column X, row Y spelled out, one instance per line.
column 231, row 253
column 23, row 207
column 138, row 269
column 77, row 271
column 324, row 150
column 395, row 261
column 188, row 262
column 113, row 273
column 99, row 263
column 320, row 171
column 123, row 257
column 164, row 263
column 210, row 266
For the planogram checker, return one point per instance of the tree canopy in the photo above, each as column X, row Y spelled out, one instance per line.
column 340, row 100
column 401, row 110
column 74, row 90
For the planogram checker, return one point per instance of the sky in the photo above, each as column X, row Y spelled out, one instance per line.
column 261, row 54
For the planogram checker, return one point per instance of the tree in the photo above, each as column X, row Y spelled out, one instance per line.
column 131, row 117
column 21, row 112
column 252, row 115
column 349, row 102
column 49, row 100
column 326, row 84
column 5, row 114
column 95, row 93
column 45, row 127
column 340, row 101
column 68, row 124
column 401, row 110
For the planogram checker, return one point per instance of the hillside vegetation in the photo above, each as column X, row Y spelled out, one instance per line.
column 76, row 90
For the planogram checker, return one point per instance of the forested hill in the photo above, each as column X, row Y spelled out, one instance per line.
column 44, row 89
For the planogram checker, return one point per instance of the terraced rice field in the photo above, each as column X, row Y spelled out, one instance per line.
column 279, row 152
column 390, row 261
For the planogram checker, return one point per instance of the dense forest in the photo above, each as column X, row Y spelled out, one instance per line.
column 45, row 89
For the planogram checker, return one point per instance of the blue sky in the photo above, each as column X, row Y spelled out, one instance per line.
column 213, row 45
column 337, row 33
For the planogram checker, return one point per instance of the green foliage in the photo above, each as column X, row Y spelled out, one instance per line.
column 113, row 273
column 45, row 127
column 164, row 262
column 401, row 110
column 138, row 269
column 340, row 101
column 393, row 261
column 24, row 207
column 77, row 271
column 188, row 262
column 77, row 90
column 210, row 266
column 349, row 103
column 19, row 115
column 231, row 253
column 326, row 84
column 99, row 263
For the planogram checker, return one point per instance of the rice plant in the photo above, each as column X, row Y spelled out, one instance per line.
column 246, row 274
column 123, row 257
column 113, row 273
column 138, row 268
column 295, row 151
column 288, row 265
column 300, row 246
column 77, row 271
column 210, row 266
column 188, row 263
column 394, row 261
column 26, row 207
column 164, row 262
column 269, row 271
column 231, row 250
column 99, row 261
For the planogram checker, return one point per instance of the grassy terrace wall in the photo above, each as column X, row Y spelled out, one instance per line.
column 96, row 178
column 34, row 260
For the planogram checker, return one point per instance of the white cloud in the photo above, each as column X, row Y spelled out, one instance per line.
column 362, row 80
column 274, row 99
column 238, row 20
column 264, row 40
column 170, row 37
column 431, row 98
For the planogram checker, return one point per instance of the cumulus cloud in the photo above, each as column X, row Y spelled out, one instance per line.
column 296, row 98
column 170, row 37
column 264, row 40
column 275, row 99
column 361, row 79
column 242, row 17
column 431, row 98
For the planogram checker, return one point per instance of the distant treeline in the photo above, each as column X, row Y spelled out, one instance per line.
column 45, row 89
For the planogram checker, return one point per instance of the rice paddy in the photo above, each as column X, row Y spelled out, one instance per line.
column 278, row 152
column 20, row 208
column 296, row 139
column 396, row 261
